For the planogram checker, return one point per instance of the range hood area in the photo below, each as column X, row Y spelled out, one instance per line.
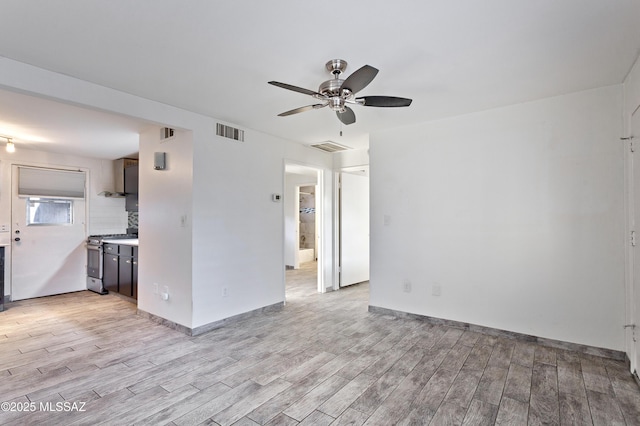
column 125, row 183
column 119, row 189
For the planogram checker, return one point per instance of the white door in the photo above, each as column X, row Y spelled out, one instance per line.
column 635, row 204
column 48, row 254
column 354, row 229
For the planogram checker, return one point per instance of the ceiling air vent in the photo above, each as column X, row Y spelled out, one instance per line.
column 229, row 132
column 329, row 146
column 166, row 133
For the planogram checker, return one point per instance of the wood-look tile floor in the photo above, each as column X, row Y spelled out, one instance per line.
column 322, row 359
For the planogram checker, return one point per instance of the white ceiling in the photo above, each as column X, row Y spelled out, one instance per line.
column 215, row 57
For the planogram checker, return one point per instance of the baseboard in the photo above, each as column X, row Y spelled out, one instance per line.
column 213, row 325
column 165, row 322
column 557, row 344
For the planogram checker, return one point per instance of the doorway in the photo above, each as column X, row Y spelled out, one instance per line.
column 304, row 224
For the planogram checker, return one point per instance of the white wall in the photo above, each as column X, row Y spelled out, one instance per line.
column 350, row 158
column 516, row 213
column 165, row 226
column 105, row 215
column 238, row 230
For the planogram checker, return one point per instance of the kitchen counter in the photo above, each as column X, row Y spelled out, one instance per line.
column 124, row 241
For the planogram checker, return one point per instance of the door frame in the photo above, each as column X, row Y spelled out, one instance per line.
column 632, row 296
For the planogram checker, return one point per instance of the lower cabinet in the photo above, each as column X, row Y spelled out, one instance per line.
column 125, row 271
column 121, row 270
column 134, row 273
column 110, row 272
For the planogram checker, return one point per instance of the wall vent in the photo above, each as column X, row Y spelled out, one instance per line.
column 166, row 133
column 229, row 132
column 330, row 146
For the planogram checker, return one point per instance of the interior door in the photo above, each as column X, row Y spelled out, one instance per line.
column 49, row 258
column 635, row 203
column 354, row 229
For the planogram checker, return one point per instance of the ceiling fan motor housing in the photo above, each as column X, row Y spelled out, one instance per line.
column 336, row 66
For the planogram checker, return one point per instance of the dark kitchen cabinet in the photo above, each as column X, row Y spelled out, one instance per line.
column 125, row 270
column 131, row 179
column 134, row 273
column 131, row 188
column 121, row 269
column 131, row 202
column 110, row 271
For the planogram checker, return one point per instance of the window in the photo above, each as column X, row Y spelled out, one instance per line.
column 49, row 211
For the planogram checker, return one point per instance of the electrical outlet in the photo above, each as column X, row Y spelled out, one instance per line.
column 407, row 286
column 225, row 292
column 155, row 288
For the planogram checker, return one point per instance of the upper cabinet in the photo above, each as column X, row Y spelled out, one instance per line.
column 120, row 167
column 131, row 179
column 131, row 188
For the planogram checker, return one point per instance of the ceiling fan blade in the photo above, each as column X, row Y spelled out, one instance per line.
column 347, row 117
column 296, row 89
column 302, row 109
column 360, row 79
column 384, row 101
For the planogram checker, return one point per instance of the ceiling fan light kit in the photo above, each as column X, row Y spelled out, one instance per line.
column 337, row 93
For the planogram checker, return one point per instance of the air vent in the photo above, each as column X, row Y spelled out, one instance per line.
column 229, row 132
column 166, row 133
column 329, row 146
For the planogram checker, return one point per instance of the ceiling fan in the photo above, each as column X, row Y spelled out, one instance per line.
column 337, row 93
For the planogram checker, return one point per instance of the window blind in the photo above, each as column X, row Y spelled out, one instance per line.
column 50, row 183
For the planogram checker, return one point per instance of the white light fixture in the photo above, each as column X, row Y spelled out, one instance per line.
column 10, row 145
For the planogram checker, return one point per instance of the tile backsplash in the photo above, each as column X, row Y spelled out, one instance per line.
column 133, row 220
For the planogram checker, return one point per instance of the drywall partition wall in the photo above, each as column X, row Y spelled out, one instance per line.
column 515, row 215
column 165, row 228
column 235, row 219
